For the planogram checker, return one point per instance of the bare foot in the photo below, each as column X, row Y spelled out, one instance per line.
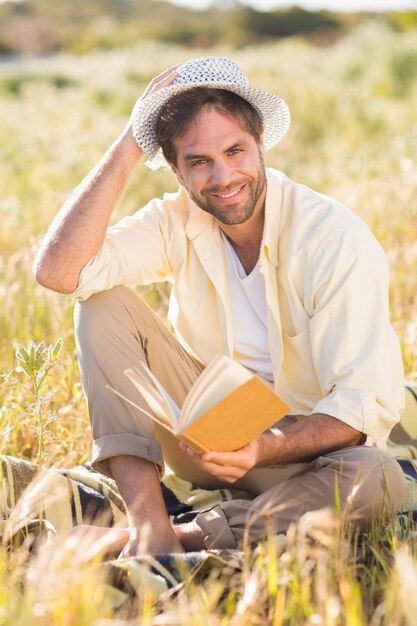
column 191, row 536
column 151, row 539
column 87, row 542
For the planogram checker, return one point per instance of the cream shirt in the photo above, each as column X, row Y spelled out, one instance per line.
column 333, row 349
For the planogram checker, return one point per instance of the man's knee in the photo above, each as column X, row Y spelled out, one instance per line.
column 375, row 481
column 104, row 311
column 99, row 304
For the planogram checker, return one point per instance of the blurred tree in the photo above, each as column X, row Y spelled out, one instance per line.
column 403, row 20
column 41, row 26
column 294, row 21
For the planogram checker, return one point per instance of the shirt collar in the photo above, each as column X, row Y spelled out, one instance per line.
column 197, row 220
column 273, row 209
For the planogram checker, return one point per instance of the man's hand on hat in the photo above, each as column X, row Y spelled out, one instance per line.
column 159, row 82
column 162, row 80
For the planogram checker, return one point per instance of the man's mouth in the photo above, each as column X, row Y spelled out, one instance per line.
column 226, row 196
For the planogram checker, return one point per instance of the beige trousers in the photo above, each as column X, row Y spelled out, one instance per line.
column 116, row 330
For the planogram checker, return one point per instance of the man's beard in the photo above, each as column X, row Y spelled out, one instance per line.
column 228, row 215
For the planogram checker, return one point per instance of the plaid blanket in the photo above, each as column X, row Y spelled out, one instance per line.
column 38, row 505
column 35, row 506
column 402, row 445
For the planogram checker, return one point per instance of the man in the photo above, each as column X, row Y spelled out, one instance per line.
column 283, row 279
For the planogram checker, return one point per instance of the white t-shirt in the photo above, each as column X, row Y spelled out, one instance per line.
column 248, row 301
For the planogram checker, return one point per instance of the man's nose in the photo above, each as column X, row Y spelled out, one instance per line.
column 221, row 174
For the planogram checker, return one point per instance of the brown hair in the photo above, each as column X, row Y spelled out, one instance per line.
column 177, row 113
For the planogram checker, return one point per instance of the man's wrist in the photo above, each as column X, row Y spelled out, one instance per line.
column 127, row 144
column 267, row 449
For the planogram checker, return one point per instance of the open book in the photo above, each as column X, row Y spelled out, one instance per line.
column 225, row 409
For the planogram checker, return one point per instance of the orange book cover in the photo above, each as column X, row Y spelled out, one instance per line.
column 236, row 420
column 226, row 408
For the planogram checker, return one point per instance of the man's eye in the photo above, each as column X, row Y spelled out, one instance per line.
column 235, row 151
column 199, row 162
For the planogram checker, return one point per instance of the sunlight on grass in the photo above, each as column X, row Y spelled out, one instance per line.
column 354, row 137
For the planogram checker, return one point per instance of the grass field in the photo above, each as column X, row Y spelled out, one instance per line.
column 354, row 137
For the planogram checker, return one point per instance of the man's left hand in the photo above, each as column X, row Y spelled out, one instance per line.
column 228, row 466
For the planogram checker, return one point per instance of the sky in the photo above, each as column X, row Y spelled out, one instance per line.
column 332, row 5
column 314, row 5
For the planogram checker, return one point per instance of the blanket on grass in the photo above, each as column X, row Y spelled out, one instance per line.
column 37, row 504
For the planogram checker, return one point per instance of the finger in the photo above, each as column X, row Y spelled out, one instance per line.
column 167, row 71
column 190, row 451
column 232, row 459
column 230, row 478
column 223, row 459
column 230, row 473
column 199, row 458
column 244, row 458
column 226, row 474
column 223, row 472
column 162, row 80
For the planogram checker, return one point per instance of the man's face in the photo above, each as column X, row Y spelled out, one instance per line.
column 221, row 166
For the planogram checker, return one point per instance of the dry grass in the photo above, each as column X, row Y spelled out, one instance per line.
column 354, row 136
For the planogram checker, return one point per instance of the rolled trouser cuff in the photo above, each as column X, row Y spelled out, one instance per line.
column 217, row 533
column 125, row 444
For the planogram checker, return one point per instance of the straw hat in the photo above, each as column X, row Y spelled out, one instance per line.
column 217, row 73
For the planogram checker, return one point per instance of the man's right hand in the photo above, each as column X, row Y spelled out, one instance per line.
column 162, row 80
column 159, row 82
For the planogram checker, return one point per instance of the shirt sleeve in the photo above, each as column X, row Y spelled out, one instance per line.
column 355, row 349
column 134, row 251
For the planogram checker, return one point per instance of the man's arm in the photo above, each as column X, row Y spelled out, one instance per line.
column 74, row 238
column 302, row 441
column 306, row 439
column 77, row 232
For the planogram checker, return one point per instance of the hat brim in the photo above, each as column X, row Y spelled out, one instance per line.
column 272, row 109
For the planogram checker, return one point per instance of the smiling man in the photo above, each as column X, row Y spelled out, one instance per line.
column 288, row 282
column 221, row 166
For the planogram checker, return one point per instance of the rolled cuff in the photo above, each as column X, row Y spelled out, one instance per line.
column 125, row 444
column 358, row 408
column 217, row 533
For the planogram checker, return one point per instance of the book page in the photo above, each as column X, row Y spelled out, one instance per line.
column 154, row 394
column 210, row 373
column 220, row 378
